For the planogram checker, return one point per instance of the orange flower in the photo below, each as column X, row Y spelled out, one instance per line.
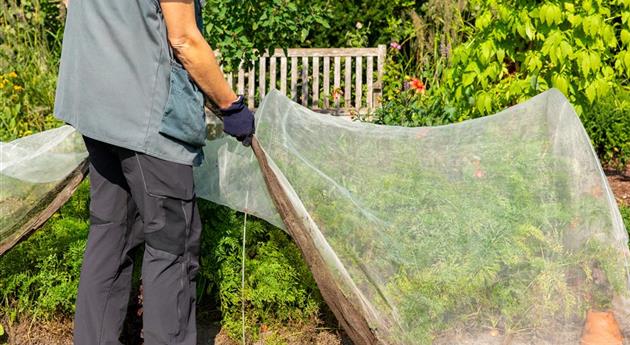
column 337, row 93
column 417, row 85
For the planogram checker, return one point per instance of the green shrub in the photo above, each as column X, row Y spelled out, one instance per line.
column 512, row 50
column 29, row 54
column 607, row 123
column 39, row 277
column 241, row 29
column 625, row 214
column 278, row 285
column 359, row 23
column 519, row 49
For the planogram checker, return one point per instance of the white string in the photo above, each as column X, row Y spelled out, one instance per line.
column 243, row 267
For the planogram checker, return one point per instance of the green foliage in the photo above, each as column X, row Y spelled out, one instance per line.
column 426, row 37
column 29, row 53
column 358, row 23
column 519, row 49
column 512, row 50
column 607, row 122
column 625, row 214
column 278, row 285
column 40, row 275
column 408, row 108
column 243, row 29
column 481, row 236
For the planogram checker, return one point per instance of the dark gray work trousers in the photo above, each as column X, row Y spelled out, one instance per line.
column 137, row 198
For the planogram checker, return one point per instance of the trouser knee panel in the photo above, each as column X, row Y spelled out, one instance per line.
column 172, row 235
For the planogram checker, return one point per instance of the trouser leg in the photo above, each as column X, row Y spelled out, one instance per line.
column 164, row 194
column 105, row 281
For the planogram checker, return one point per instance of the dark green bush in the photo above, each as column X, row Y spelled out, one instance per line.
column 625, row 214
column 241, row 29
column 278, row 285
column 607, row 123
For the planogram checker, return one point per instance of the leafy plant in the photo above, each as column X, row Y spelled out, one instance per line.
column 512, row 50
column 445, row 234
column 29, row 53
column 354, row 23
column 278, row 287
column 521, row 48
column 40, row 276
column 608, row 125
column 242, row 30
column 625, row 214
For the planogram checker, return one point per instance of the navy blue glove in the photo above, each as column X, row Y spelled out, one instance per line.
column 238, row 121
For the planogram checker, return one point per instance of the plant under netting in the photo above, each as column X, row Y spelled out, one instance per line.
column 497, row 228
column 37, row 174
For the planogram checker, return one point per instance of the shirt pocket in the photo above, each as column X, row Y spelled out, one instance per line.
column 184, row 118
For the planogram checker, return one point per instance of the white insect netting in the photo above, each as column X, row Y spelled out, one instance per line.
column 31, row 171
column 496, row 230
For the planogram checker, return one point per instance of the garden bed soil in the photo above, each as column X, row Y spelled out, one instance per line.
column 620, row 183
column 26, row 332
column 59, row 332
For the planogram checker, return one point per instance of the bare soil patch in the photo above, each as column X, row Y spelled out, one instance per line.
column 620, row 183
column 27, row 332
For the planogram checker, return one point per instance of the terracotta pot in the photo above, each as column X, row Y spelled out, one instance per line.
column 601, row 328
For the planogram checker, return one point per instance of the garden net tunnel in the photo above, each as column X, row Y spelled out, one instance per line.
column 497, row 230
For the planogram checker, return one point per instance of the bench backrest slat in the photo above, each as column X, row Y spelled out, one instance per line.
column 307, row 74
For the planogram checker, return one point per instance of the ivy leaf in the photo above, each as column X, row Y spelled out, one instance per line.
column 569, row 7
column 323, row 22
column 595, row 61
column 608, row 35
column 529, row 31
column 471, row 71
column 625, row 37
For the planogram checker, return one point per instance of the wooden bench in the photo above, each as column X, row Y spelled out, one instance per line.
column 313, row 77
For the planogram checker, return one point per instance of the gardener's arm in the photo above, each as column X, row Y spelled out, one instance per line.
column 193, row 51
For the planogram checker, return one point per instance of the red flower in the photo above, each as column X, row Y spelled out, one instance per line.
column 417, row 85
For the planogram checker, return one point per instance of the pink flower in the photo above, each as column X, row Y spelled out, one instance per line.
column 395, row 45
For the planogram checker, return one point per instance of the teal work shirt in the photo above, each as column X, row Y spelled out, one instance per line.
column 114, row 76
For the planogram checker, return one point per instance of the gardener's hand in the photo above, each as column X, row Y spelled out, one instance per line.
column 238, row 121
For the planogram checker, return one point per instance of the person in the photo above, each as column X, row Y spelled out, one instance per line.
column 132, row 79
